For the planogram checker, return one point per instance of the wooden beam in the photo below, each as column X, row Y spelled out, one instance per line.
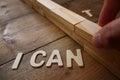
column 60, row 14
column 80, row 29
column 87, row 29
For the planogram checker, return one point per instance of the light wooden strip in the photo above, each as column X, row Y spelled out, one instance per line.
column 48, row 4
column 87, row 29
column 61, row 14
column 59, row 10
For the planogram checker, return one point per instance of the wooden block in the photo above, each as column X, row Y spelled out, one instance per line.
column 87, row 29
column 59, row 13
column 49, row 4
column 68, row 16
column 34, row 4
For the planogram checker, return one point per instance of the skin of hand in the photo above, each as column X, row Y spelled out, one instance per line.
column 109, row 36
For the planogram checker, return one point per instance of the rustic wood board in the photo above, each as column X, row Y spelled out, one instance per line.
column 28, row 32
column 18, row 31
column 92, row 70
column 9, row 12
column 22, row 36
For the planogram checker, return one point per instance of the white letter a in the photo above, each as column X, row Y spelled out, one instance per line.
column 52, row 60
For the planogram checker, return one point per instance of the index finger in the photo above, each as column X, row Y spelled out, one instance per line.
column 109, row 11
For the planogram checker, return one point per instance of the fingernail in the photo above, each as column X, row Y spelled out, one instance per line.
column 97, row 40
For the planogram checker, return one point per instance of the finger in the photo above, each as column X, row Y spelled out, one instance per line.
column 108, row 36
column 109, row 11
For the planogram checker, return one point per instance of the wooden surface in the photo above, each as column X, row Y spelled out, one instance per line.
column 22, row 29
column 79, row 29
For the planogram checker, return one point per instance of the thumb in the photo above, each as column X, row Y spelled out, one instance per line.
column 108, row 36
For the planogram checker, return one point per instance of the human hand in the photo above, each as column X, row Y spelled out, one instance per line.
column 109, row 35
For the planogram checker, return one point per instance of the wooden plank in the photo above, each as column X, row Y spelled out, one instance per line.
column 4, row 52
column 26, row 34
column 92, row 70
column 82, row 32
column 8, row 11
column 1, row 31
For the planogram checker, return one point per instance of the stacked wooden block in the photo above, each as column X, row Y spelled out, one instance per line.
column 78, row 28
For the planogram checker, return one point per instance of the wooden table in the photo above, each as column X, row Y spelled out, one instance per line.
column 22, row 29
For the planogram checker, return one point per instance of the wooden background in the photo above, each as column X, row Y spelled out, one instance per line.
column 22, row 29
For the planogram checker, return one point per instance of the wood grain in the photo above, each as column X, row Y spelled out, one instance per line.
column 11, row 12
column 29, row 32
column 92, row 70
column 82, row 29
column 87, row 29
column 21, row 36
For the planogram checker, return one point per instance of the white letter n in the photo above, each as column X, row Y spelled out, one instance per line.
column 78, row 58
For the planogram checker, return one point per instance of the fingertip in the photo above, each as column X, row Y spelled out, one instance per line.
column 97, row 41
column 101, row 23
